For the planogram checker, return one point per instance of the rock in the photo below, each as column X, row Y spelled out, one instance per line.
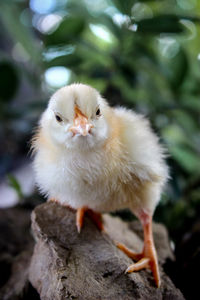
column 16, row 247
column 18, row 283
column 87, row 266
column 14, row 230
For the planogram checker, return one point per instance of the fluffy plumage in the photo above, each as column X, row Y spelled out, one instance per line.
column 119, row 165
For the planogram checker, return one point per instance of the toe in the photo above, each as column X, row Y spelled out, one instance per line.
column 141, row 264
column 128, row 252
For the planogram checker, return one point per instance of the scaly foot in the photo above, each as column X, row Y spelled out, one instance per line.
column 148, row 258
column 145, row 260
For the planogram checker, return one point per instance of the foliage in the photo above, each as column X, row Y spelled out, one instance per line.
column 14, row 183
column 141, row 54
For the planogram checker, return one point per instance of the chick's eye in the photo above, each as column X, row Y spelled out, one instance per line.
column 98, row 112
column 58, row 118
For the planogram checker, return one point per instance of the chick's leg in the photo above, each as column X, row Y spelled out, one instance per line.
column 148, row 257
column 80, row 217
column 96, row 218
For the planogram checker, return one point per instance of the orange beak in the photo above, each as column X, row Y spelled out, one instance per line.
column 81, row 124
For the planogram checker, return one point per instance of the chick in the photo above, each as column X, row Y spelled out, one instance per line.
column 95, row 158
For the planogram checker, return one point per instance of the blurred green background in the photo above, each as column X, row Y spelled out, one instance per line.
column 141, row 54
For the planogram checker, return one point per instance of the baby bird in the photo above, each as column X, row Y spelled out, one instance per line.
column 99, row 159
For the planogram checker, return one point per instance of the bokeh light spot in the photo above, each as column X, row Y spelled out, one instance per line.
column 168, row 46
column 120, row 19
column 101, row 32
column 42, row 6
column 57, row 77
column 49, row 23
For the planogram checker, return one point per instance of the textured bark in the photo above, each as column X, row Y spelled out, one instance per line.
column 68, row 265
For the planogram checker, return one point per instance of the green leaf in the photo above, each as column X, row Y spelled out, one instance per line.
column 195, row 19
column 178, row 67
column 69, row 29
column 124, row 6
column 185, row 119
column 160, row 24
column 10, row 16
column 14, row 183
column 190, row 102
column 105, row 20
column 68, row 61
column 186, row 158
column 174, row 135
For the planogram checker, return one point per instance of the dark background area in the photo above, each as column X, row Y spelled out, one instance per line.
column 144, row 55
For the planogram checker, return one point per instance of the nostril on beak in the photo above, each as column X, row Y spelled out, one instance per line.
column 81, row 129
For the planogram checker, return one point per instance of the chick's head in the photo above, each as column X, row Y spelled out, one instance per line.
column 75, row 118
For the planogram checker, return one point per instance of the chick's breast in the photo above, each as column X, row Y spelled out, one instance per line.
column 128, row 171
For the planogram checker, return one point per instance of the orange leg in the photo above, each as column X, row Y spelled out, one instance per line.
column 80, row 217
column 129, row 253
column 80, row 213
column 96, row 218
column 148, row 258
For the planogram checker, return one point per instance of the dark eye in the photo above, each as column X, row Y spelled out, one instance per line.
column 58, row 118
column 98, row 112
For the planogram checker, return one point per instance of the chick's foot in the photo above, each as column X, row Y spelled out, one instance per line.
column 94, row 216
column 148, row 257
column 145, row 260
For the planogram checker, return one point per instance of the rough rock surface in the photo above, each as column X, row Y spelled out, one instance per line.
column 16, row 247
column 88, row 266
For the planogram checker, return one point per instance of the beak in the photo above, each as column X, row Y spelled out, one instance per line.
column 81, row 124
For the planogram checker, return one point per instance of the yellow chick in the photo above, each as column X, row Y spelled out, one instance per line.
column 95, row 158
